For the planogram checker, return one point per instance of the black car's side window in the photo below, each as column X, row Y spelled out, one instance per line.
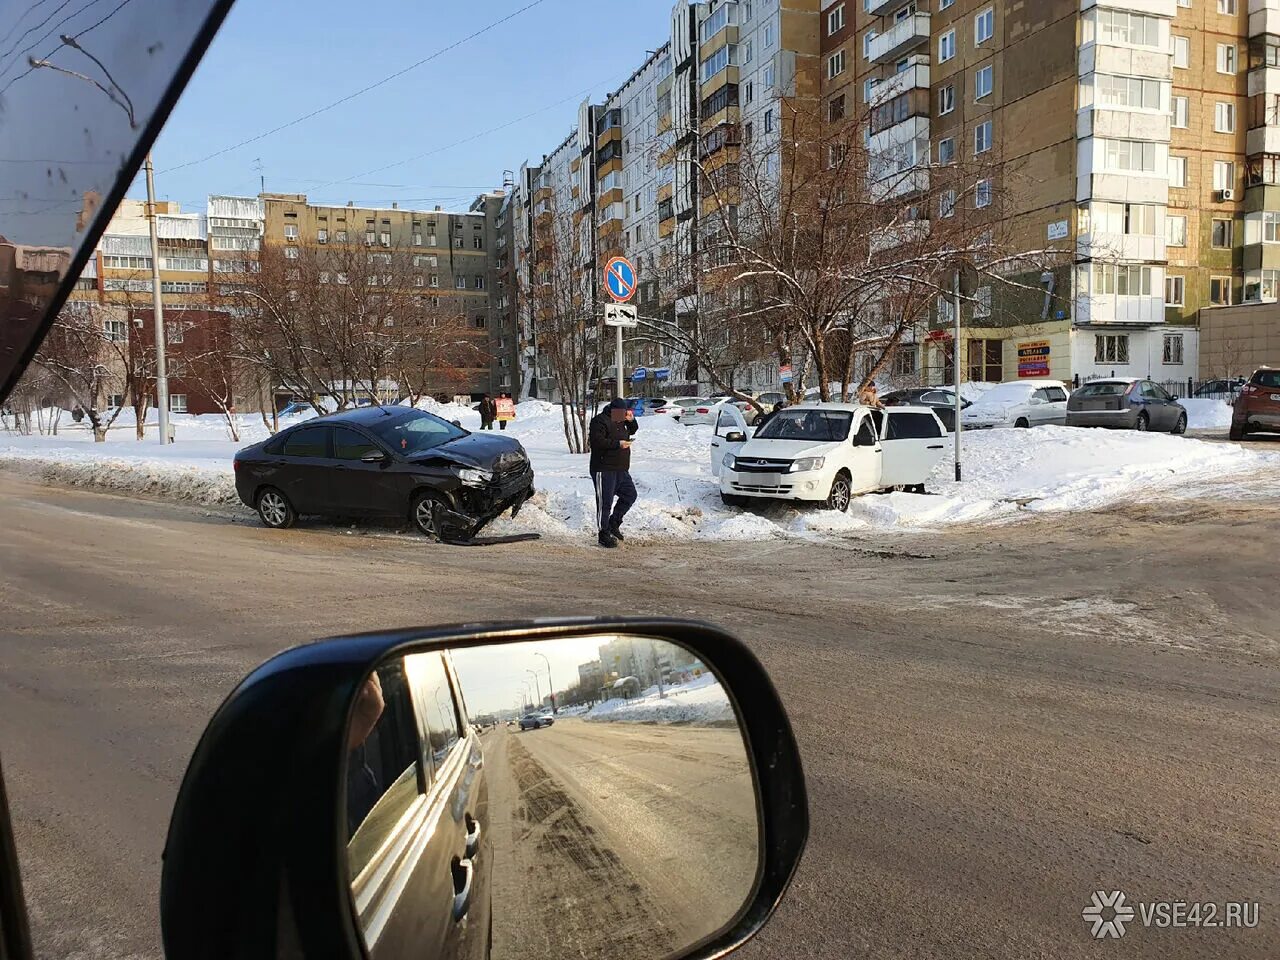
column 307, row 442
column 349, row 445
column 437, row 711
column 383, row 777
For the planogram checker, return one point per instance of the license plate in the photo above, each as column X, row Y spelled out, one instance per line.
column 1276, row 397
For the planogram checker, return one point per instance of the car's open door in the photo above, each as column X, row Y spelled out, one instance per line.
column 731, row 433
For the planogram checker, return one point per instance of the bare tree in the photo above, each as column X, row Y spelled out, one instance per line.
column 78, row 353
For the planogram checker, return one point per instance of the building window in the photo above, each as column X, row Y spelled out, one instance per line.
column 982, row 194
column 1270, row 227
column 385, row 239
column 460, row 282
column 835, row 108
column 946, row 46
column 943, row 4
column 322, row 236
column 1181, row 52
column 984, row 26
column 768, row 120
column 1227, row 6
column 982, row 138
column 1111, row 348
column 1122, row 27
column 291, row 231
column 480, row 323
column 1132, row 155
column 1124, row 280
column 1224, row 175
column 435, row 280
column 291, row 253
column 835, row 65
column 1174, row 291
column 1224, row 117
column 1270, row 287
column 986, row 360
column 1128, row 92
column 1180, row 112
column 117, row 331
column 867, row 39
column 115, row 400
column 947, row 204
column 477, row 243
column 478, row 282
column 947, row 151
column 417, row 239
column 174, row 332
column 1176, row 231
column 768, row 35
column 982, row 82
column 835, row 20
column 1172, row 348
column 749, row 91
column 768, row 76
column 177, row 403
column 1177, row 171
column 1220, row 291
column 369, row 237
column 340, row 236
column 1220, row 236
column 1226, row 58
column 747, row 52
column 946, row 99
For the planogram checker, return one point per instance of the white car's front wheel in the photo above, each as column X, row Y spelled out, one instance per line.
column 841, row 493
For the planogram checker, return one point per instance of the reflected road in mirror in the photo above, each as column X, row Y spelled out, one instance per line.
column 587, row 797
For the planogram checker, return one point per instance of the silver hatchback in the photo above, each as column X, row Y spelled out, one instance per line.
column 1126, row 404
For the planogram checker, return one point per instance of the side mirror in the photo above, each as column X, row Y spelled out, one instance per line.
column 1034, row 402
column 735, row 436
column 862, row 440
column 339, row 803
column 374, row 456
column 456, row 423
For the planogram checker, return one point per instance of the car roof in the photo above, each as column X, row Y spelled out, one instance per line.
column 1112, row 380
column 366, row 415
column 818, row 405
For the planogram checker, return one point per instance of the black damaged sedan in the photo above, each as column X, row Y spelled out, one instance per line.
column 386, row 462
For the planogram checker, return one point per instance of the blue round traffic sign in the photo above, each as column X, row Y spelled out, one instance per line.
column 620, row 279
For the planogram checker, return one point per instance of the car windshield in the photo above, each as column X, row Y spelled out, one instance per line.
column 414, row 431
column 1007, row 393
column 1109, row 389
column 823, row 426
column 1267, row 378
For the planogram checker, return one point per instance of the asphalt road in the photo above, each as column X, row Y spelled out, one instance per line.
column 995, row 722
column 617, row 839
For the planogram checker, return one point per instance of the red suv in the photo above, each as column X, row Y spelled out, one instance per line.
column 1257, row 409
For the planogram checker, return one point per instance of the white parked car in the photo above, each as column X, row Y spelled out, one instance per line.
column 708, row 409
column 1018, row 403
column 826, row 453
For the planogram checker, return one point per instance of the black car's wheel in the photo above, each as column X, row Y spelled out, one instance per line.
column 1023, row 423
column 275, row 510
column 423, row 513
column 1181, row 426
column 1143, row 424
column 841, row 492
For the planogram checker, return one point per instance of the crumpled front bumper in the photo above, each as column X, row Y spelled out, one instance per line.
column 480, row 506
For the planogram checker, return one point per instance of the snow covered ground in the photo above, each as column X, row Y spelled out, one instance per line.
column 1008, row 474
column 702, row 702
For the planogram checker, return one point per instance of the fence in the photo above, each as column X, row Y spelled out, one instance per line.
column 1219, row 388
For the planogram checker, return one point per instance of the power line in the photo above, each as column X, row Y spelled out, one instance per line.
column 71, row 16
column 17, row 21
column 362, row 91
column 88, row 29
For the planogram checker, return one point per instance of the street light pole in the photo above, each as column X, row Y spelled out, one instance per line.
column 157, row 308
column 551, row 687
column 536, row 685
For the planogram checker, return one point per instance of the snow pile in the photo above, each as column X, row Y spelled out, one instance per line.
column 701, row 702
column 1207, row 414
column 1008, row 473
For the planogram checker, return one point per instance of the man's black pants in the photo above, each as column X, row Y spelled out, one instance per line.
column 615, row 495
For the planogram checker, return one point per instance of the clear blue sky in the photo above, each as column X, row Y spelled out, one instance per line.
column 275, row 60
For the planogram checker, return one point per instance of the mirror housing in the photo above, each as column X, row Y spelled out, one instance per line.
column 860, row 441
column 735, row 436
column 255, row 860
column 377, row 456
column 1034, row 402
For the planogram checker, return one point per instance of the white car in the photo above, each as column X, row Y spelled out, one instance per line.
column 826, row 453
column 708, row 409
column 1018, row 403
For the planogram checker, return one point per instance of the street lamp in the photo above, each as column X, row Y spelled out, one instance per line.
column 537, row 686
column 551, row 687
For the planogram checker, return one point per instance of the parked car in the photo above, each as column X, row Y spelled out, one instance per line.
column 1126, row 403
column 532, row 721
column 685, row 404
column 646, row 406
column 828, row 453
column 1257, row 409
column 704, row 411
column 941, row 401
column 385, row 462
column 1018, row 403
column 1220, row 389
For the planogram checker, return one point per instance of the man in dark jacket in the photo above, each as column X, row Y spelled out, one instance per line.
column 609, row 435
column 488, row 412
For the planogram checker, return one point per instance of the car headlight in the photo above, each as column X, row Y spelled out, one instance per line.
column 807, row 464
column 730, row 462
column 473, row 476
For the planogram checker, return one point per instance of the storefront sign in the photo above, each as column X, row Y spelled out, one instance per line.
column 1033, row 358
column 785, row 372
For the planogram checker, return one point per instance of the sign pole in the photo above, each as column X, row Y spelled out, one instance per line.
column 956, row 361
column 622, row 389
column 620, row 282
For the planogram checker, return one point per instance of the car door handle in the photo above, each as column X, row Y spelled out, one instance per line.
column 463, row 874
column 473, row 837
column 938, row 446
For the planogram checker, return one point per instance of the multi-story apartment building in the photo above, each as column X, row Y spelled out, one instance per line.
column 1135, row 141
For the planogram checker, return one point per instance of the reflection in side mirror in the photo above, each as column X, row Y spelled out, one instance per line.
column 736, row 436
column 583, row 788
column 608, row 799
column 374, row 456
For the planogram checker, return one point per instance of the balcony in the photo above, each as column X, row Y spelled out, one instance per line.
column 907, row 134
column 887, row 238
column 1121, row 246
column 1264, row 17
column 915, row 77
column 878, row 8
column 1099, row 121
column 1264, row 80
column 1262, row 140
column 1155, row 8
column 1110, row 308
column 903, row 37
column 1125, row 61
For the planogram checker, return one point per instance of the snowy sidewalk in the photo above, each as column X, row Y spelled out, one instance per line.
column 1008, row 473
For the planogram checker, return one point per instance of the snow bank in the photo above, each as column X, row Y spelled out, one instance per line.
column 1008, row 474
column 1207, row 414
column 701, row 702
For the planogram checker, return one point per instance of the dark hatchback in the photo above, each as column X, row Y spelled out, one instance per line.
column 943, row 402
column 386, row 462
